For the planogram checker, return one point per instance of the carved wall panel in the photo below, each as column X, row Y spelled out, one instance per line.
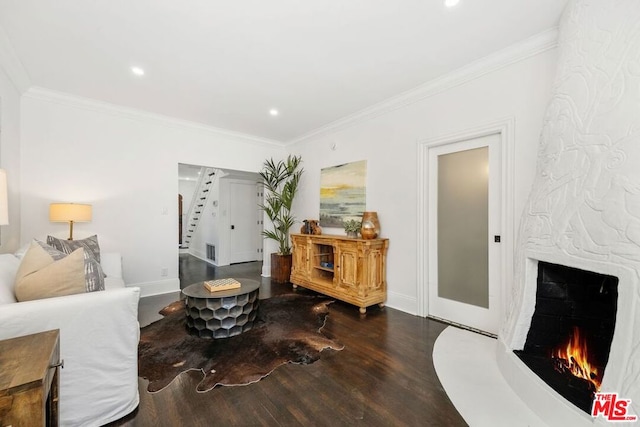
column 584, row 207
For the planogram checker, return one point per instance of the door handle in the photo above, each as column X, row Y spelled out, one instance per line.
column 496, row 239
column 233, row 227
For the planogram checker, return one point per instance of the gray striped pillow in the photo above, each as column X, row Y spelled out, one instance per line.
column 68, row 246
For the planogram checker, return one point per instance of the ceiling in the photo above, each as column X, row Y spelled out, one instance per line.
column 227, row 63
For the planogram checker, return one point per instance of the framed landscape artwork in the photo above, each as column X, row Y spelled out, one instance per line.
column 342, row 193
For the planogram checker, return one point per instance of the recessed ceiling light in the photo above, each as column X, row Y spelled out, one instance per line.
column 274, row 112
column 137, row 71
column 451, row 3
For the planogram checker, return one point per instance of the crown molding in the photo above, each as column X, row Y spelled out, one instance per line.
column 11, row 64
column 62, row 98
column 525, row 49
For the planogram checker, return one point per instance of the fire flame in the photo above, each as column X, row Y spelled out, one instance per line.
column 573, row 358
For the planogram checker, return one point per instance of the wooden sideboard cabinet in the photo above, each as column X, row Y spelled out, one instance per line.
column 351, row 270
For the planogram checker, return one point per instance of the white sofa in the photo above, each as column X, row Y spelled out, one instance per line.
column 99, row 335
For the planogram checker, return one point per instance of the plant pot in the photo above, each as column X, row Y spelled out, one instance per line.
column 280, row 268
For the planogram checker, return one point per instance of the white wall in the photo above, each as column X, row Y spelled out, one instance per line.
column 125, row 164
column 389, row 143
column 10, row 160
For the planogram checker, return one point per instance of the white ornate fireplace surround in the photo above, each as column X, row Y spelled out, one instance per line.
column 584, row 208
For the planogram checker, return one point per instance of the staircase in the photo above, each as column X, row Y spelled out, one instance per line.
column 198, row 203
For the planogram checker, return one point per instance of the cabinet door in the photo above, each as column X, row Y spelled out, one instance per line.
column 348, row 266
column 300, row 262
column 374, row 279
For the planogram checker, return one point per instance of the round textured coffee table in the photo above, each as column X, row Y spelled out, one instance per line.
column 221, row 314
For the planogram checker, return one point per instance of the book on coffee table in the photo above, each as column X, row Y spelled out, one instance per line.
column 221, row 285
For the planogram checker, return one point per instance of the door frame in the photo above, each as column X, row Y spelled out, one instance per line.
column 228, row 218
column 505, row 129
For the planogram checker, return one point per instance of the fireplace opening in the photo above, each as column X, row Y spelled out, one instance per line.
column 571, row 330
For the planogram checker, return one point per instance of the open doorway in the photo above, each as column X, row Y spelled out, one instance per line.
column 219, row 218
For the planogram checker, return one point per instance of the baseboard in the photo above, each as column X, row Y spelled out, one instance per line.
column 402, row 302
column 205, row 259
column 198, row 254
column 157, row 288
column 266, row 270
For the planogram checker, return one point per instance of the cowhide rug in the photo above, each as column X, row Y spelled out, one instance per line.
column 287, row 330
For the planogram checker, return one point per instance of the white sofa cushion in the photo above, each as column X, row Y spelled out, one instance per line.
column 9, row 264
column 111, row 264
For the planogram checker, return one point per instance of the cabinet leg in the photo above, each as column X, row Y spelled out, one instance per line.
column 295, row 286
column 363, row 310
column 381, row 305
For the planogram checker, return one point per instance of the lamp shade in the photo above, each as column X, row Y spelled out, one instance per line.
column 4, row 204
column 65, row 212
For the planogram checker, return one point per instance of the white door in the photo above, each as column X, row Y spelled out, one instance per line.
column 464, row 262
column 244, row 232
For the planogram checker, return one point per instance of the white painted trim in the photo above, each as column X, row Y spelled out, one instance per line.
column 74, row 101
column 157, row 288
column 11, row 64
column 203, row 257
column 532, row 46
column 401, row 302
column 504, row 127
column 266, row 269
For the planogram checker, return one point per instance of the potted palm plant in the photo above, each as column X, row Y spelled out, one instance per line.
column 281, row 181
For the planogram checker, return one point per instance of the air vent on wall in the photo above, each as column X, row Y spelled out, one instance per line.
column 211, row 252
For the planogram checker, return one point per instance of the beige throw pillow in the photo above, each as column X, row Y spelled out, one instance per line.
column 39, row 276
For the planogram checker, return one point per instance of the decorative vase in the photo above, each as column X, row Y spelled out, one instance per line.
column 352, row 234
column 370, row 225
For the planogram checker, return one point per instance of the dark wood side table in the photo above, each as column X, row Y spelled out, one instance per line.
column 30, row 379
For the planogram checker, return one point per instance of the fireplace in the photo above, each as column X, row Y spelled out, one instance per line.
column 583, row 213
column 571, row 330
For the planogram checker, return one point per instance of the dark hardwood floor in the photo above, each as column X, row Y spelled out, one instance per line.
column 383, row 377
